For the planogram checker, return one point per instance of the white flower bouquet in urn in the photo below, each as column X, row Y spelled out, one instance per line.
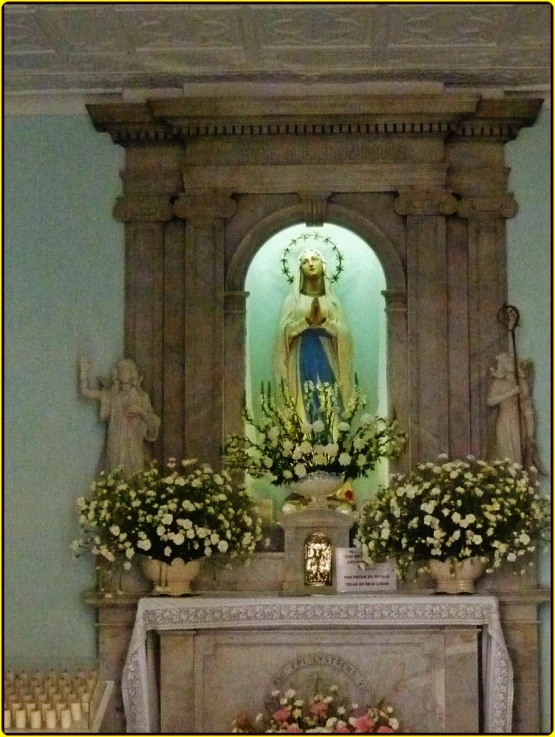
column 284, row 448
column 454, row 511
column 182, row 515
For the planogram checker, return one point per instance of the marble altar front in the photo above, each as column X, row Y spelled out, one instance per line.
column 441, row 661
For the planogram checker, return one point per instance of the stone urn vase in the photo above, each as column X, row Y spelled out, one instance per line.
column 172, row 579
column 317, row 485
column 456, row 576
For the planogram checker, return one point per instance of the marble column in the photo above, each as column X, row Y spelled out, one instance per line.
column 145, row 217
column 235, row 310
column 477, row 276
column 487, row 289
column 204, row 214
column 428, row 385
column 154, row 278
column 397, row 367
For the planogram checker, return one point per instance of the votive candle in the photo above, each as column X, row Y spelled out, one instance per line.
column 76, row 713
column 35, row 720
column 20, row 719
column 7, row 719
column 66, row 719
column 51, row 719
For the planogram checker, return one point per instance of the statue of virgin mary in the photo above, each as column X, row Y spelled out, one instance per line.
column 313, row 339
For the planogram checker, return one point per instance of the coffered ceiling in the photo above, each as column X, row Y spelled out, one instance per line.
column 97, row 48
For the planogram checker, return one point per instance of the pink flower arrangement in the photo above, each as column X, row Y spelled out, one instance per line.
column 289, row 712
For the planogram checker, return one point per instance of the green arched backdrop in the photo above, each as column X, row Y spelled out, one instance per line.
column 359, row 288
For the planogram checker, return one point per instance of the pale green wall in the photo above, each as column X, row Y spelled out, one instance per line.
column 529, row 256
column 63, row 290
column 63, row 295
column 359, row 289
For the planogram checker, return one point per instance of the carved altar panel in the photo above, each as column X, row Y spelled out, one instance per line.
column 409, row 669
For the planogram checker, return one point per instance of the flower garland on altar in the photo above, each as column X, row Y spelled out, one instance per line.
column 327, row 713
column 283, row 448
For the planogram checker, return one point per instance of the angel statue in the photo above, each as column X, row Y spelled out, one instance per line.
column 127, row 410
column 515, row 426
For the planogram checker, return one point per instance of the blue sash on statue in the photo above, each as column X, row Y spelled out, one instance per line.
column 314, row 365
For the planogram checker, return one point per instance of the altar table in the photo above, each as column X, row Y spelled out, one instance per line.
column 316, row 617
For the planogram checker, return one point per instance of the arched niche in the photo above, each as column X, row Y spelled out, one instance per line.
column 393, row 304
column 359, row 289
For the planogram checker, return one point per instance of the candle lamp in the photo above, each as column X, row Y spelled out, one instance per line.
column 66, row 719
column 76, row 713
column 35, row 719
column 50, row 719
column 20, row 719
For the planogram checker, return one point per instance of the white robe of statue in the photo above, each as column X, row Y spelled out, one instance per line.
column 130, row 417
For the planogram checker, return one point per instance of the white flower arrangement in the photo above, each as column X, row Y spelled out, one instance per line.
column 283, row 448
column 185, row 515
column 454, row 510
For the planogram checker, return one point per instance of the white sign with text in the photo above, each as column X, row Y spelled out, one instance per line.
column 352, row 579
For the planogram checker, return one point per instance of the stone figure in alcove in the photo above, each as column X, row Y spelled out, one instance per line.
column 314, row 342
column 515, row 424
column 127, row 410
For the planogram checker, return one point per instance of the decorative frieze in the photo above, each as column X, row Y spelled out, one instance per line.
column 206, row 204
column 425, row 202
column 296, row 178
column 145, row 208
column 487, row 207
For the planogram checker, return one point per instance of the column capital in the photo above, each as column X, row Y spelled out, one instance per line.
column 395, row 300
column 504, row 206
column 204, row 205
column 143, row 208
column 425, row 202
column 235, row 302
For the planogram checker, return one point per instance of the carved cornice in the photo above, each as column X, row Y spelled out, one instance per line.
column 314, row 205
column 204, row 205
column 500, row 120
column 146, row 208
column 487, row 207
column 372, row 115
column 451, row 116
column 425, row 202
column 129, row 123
